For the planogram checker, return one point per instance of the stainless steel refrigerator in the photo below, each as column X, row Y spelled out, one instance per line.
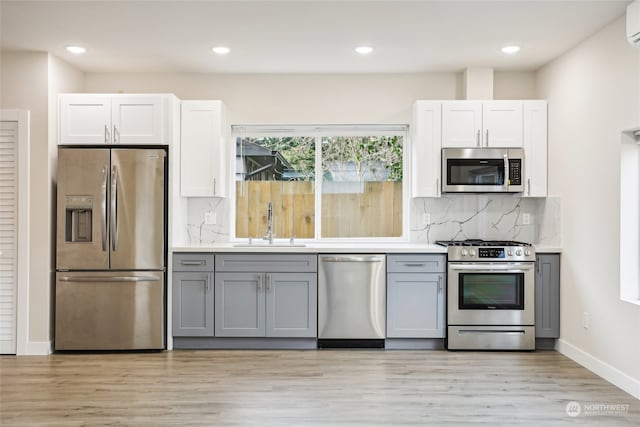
column 111, row 250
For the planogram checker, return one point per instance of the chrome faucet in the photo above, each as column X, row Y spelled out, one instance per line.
column 269, row 235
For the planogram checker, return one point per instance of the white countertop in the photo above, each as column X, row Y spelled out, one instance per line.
column 548, row 249
column 333, row 248
column 317, row 248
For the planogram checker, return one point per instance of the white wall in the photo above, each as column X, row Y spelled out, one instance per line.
column 24, row 86
column 514, row 85
column 305, row 98
column 31, row 81
column 592, row 92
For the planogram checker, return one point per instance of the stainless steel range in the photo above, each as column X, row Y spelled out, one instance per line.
column 490, row 295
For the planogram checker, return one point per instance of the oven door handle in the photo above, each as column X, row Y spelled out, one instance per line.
column 509, row 268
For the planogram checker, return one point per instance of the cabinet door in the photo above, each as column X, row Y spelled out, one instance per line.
column 502, row 124
column 415, row 305
column 547, row 283
column 292, row 304
column 426, row 145
column 192, row 304
column 239, row 305
column 85, row 119
column 137, row 119
column 461, row 124
column 535, row 148
column 202, row 150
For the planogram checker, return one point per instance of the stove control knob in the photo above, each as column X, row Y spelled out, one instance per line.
column 518, row 252
column 463, row 252
column 510, row 252
column 527, row 252
column 472, row 252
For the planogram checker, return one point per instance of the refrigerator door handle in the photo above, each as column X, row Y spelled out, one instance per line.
column 114, row 208
column 103, row 206
column 109, row 279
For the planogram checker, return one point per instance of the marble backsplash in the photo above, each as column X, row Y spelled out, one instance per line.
column 455, row 216
column 486, row 216
column 199, row 231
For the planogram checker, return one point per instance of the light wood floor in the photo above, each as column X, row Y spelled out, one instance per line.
column 326, row 387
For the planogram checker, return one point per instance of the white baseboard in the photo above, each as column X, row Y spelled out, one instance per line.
column 39, row 348
column 600, row 368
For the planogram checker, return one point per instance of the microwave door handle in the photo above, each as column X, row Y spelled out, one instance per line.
column 506, row 172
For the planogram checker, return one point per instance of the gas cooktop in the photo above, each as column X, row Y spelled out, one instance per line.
column 487, row 250
column 480, row 242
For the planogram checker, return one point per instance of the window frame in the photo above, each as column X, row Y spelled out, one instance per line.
column 318, row 132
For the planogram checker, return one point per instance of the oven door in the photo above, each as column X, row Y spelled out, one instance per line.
column 491, row 293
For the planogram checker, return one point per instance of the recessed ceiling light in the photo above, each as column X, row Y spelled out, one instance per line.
column 76, row 49
column 221, row 50
column 511, row 49
column 364, row 50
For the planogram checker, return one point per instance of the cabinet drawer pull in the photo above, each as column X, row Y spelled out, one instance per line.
column 192, row 263
column 414, row 264
column 268, row 280
column 439, row 284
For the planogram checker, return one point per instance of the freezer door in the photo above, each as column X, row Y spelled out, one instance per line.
column 109, row 311
column 136, row 207
column 82, row 193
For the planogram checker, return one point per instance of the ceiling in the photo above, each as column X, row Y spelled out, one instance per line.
column 302, row 36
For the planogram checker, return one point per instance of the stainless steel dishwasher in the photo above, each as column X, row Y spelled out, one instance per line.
column 351, row 300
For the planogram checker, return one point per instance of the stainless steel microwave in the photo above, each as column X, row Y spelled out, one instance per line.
column 482, row 170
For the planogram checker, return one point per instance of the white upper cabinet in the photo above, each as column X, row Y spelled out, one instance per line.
column 202, row 151
column 137, row 119
column 535, row 148
column 502, row 124
column 85, row 119
column 477, row 124
column 425, row 151
column 461, row 124
column 467, row 124
column 111, row 119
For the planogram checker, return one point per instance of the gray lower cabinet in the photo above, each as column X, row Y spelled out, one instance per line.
column 268, row 303
column 416, row 296
column 192, row 295
column 547, row 283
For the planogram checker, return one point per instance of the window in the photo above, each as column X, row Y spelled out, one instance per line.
column 321, row 182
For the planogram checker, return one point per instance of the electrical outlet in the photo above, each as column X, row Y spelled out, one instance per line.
column 585, row 319
column 210, row 218
column 526, row 219
column 426, row 218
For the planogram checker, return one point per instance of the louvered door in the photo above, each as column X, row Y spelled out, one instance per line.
column 8, row 234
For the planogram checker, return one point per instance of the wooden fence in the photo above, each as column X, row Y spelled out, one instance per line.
column 374, row 212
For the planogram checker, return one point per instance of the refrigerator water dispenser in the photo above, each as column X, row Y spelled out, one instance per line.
column 78, row 218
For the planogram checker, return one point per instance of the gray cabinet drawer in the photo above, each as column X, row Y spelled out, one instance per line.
column 416, row 263
column 193, row 262
column 281, row 263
